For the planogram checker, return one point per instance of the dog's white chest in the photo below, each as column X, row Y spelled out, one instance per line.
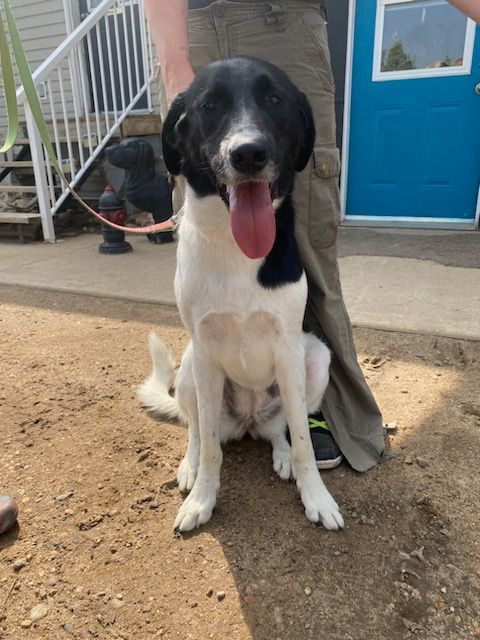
column 243, row 345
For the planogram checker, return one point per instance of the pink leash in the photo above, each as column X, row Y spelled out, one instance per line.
column 167, row 225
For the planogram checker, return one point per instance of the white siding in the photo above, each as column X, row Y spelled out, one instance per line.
column 41, row 24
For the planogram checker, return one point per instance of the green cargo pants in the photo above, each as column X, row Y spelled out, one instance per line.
column 292, row 34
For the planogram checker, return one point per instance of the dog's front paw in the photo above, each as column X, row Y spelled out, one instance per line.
column 321, row 507
column 195, row 511
column 187, row 472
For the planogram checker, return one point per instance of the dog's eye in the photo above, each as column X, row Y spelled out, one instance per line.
column 209, row 106
column 274, row 99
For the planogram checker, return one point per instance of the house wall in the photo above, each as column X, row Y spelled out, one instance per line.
column 42, row 28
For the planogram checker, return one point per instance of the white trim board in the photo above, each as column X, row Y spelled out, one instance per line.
column 383, row 76
column 409, row 222
column 347, row 108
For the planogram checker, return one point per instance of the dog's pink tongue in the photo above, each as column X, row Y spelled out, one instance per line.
column 252, row 218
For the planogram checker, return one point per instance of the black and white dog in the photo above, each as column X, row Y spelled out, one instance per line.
column 238, row 134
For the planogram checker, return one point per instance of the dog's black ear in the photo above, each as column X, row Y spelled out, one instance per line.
column 171, row 143
column 308, row 131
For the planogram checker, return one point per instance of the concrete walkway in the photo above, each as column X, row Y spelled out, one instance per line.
column 397, row 280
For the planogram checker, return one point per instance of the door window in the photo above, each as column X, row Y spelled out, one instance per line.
column 421, row 38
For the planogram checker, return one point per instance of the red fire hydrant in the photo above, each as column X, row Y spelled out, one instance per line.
column 111, row 208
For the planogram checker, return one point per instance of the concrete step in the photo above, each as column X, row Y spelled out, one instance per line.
column 19, row 142
column 17, row 217
column 26, row 224
column 28, row 164
column 16, row 164
column 17, row 188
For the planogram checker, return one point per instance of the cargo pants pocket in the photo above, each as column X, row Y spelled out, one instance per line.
column 324, row 205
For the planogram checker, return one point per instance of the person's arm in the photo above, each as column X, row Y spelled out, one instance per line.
column 470, row 8
column 168, row 23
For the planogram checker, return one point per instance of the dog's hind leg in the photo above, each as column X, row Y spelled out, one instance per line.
column 187, row 402
column 274, row 430
column 317, row 363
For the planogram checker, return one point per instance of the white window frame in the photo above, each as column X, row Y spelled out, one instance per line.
column 408, row 74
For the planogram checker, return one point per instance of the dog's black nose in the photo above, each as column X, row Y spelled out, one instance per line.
column 249, row 157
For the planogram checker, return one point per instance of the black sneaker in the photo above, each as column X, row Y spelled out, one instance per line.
column 327, row 454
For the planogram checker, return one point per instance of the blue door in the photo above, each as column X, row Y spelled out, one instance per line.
column 414, row 150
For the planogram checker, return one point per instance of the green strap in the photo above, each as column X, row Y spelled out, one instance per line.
column 313, row 424
column 9, row 86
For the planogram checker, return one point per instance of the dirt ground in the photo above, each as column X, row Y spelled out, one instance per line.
column 94, row 555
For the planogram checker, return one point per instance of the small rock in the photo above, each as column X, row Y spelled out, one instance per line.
column 421, row 462
column 409, row 460
column 418, row 553
column 220, row 595
column 38, row 612
column 410, row 572
column 90, row 523
column 337, row 553
column 117, row 604
column 64, row 496
column 409, row 591
column 391, row 427
column 251, row 589
column 307, row 591
column 143, row 456
column 411, row 626
column 209, row 593
column 147, row 498
column 193, row 604
column 443, row 589
column 25, row 624
column 119, row 596
column 68, row 628
column 19, row 564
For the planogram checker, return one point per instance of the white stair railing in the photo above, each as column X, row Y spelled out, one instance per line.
column 109, row 53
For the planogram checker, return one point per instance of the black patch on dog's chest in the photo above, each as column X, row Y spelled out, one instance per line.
column 282, row 265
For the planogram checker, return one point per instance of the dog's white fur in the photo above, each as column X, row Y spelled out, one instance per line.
column 253, row 336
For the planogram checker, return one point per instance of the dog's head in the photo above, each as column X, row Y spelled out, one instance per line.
column 133, row 153
column 241, row 130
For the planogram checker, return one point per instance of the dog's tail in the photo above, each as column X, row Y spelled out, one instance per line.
column 154, row 393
